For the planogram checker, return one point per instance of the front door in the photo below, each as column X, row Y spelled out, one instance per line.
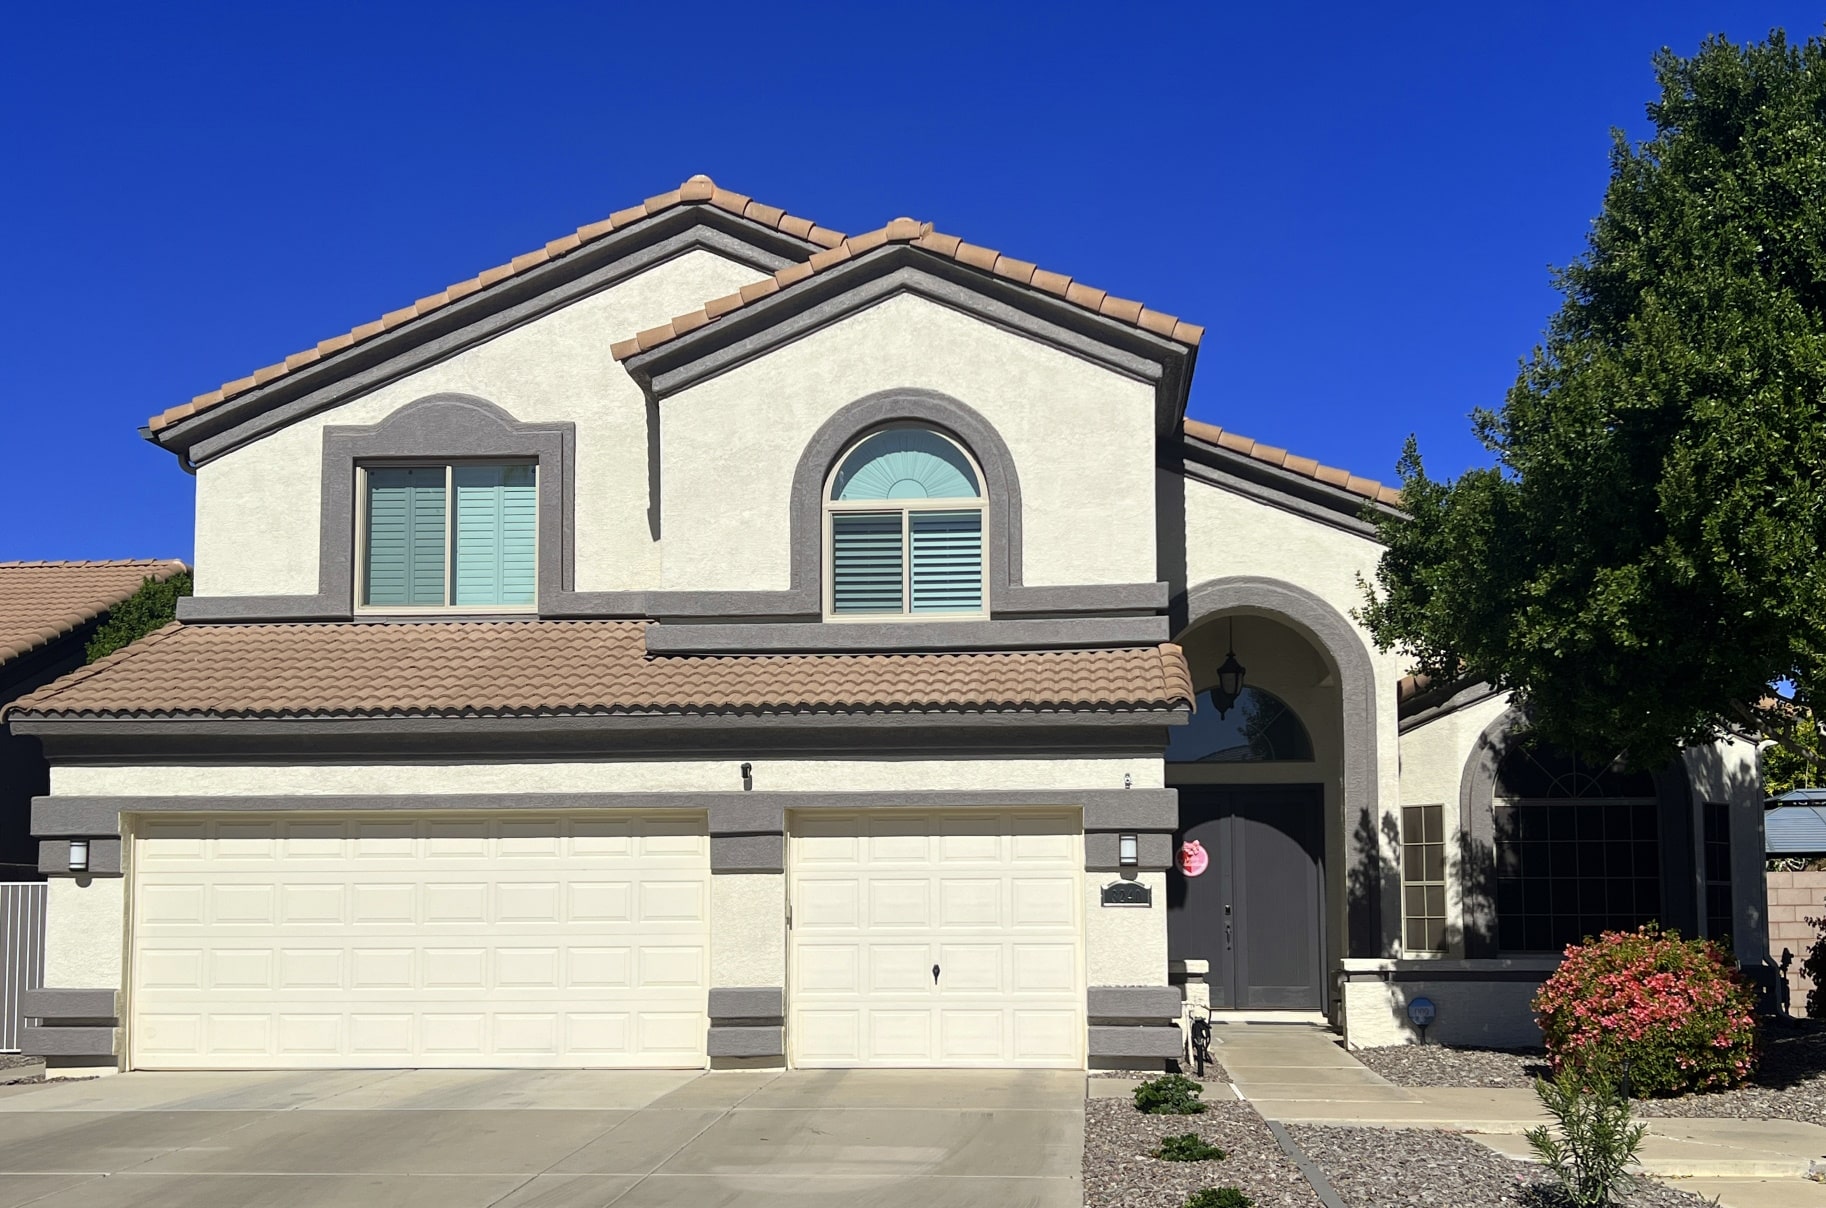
column 1256, row 914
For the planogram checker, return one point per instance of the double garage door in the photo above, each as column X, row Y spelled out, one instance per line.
column 916, row 939
column 386, row 941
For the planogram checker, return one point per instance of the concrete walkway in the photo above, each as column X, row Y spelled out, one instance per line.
column 558, row 1139
column 1302, row 1074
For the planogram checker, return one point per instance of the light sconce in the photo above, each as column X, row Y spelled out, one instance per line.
column 1127, row 853
column 748, row 777
column 1229, row 678
column 79, row 855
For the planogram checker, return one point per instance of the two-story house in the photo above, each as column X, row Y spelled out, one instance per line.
column 708, row 639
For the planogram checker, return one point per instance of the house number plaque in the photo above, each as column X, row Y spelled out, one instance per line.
column 1127, row 893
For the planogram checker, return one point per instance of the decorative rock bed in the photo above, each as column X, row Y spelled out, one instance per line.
column 1118, row 1173
column 1413, row 1168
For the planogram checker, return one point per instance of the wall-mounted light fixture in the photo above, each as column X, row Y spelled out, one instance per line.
column 747, row 777
column 79, row 855
column 1127, row 851
column 1229, row 678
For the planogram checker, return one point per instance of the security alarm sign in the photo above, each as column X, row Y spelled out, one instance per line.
column 1192, row 858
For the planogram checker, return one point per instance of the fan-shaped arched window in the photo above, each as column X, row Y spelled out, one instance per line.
column 904, row 528
column 1258, row 728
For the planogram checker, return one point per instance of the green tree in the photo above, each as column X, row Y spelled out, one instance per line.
column 1644, row 559
column 151, row 607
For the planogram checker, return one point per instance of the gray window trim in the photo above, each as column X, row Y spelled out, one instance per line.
column 1373, row 889
column 438, row 427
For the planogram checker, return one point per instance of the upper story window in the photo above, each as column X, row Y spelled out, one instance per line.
column 1258, row 728
column 904, row 528
column 457, row 535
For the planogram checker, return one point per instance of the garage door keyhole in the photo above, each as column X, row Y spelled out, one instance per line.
column 935, row 975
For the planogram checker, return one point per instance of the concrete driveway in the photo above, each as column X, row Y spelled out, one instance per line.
column 558, row 1139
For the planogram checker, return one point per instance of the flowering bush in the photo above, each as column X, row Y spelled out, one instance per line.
column 1664, row 1014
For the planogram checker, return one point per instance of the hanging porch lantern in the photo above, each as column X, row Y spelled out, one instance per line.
column 1229, row 678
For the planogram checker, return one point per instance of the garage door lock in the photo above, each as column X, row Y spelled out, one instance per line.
column 935, row 975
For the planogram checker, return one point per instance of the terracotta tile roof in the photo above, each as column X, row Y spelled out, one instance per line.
column 922, row 236
column 699, row 190
column 42, row 601
column 533, row 668
column 1306, row 467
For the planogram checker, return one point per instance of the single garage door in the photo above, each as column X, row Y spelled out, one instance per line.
column 418, row 940
column 936, row 939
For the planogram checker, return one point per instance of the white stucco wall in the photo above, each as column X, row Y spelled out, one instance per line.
column 859, row 775
column 748, row 929
column 1081, row 437
column 258, row 507
column 84, row 928
column 1125, row 945
column 1494, row 1014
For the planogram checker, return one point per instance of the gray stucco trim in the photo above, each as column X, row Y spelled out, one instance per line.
column 1133, row 1002
column 790, row 638
column 725, row 1041
column 894, row 269
column 731, row 814
column 55, row 1004
column 731, row 1003
column 182, row 739
column 748, row 853
column 104, row 857
column 1419, row 973
column 1373, row 890
column 481, row 316
column 1110, row 1041
column 1278, row 488
column 68, row 1042
column 1103, row 851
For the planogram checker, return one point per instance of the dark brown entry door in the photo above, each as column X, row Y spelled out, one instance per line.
column 1257, row 913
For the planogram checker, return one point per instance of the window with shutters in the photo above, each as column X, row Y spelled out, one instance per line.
column 459, row 536
column 904, row 530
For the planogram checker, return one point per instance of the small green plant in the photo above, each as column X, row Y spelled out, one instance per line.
column 1188, row 1147
column 1219, row 1197
column 1591, row 1140
column 1169, row 1095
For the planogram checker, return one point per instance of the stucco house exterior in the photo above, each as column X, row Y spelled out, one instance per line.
column 709, row 639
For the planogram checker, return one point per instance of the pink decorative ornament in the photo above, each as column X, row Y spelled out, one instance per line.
column 1192, row 857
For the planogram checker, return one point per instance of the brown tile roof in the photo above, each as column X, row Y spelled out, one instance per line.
column 920, row 235
column 533, row 668
column 699, row 190
column 42, row 601
column 1306, row 467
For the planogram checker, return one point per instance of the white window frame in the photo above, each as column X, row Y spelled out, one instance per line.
column 448, row 465
column 833, row 507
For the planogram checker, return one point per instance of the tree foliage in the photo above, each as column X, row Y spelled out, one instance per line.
column 1644, row 559
column 151, row 607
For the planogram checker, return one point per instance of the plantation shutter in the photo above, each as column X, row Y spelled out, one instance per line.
column 866, row 558
column 405, row 537
column 947, row 561
column 496, row 535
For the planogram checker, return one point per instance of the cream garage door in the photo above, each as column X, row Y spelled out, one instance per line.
column 420, row 940
column 936, row 939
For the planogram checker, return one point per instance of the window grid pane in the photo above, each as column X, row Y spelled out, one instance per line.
column 1423, row 861
column 1569, row 869
column 867, row 560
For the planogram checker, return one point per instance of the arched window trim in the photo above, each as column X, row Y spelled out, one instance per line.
column 832, row 507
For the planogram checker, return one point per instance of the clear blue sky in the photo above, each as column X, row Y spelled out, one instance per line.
column 1359, row 202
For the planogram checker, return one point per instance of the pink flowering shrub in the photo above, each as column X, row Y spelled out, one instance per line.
column 1673, row 1015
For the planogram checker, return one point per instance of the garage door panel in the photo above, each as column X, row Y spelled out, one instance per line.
column 545, row 941
column 945, row 889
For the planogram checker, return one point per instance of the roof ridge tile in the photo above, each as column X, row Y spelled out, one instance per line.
column 699, row 190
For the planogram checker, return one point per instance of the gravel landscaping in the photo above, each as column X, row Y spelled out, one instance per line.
column 1412, row 1168
column 1118, row 1173
column 1790, row 1083
column 12, row 1066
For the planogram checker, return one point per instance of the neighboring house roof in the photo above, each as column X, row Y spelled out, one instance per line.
column 1305, row 467
column 1795, row 830
column 42, row 601
column 534, row 668
column 699, row 190
column 920, row 235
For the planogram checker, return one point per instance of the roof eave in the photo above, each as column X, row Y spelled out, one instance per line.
column 825, row 297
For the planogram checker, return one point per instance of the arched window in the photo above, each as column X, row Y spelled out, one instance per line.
column 1258, row 728
column 1577, row 849
column 904, row 528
